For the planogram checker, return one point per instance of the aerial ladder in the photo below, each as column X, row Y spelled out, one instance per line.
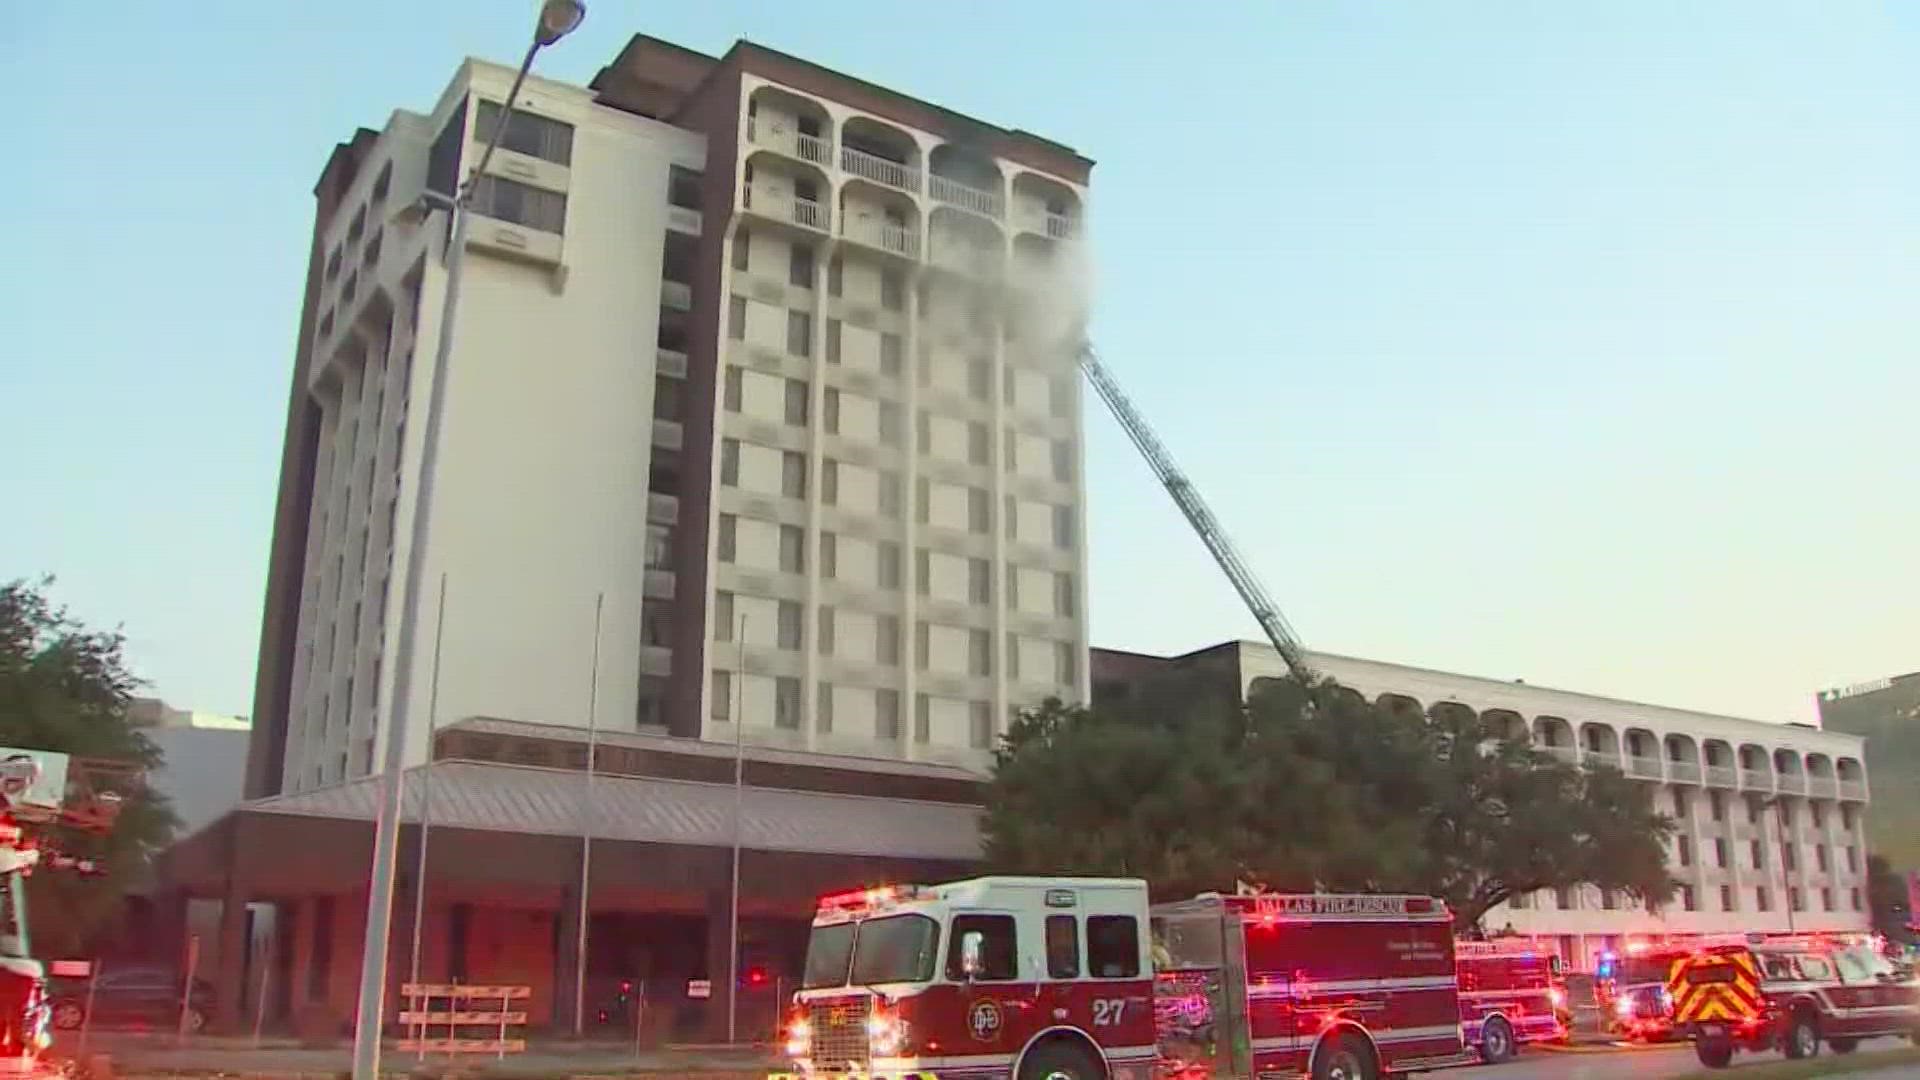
column 1188, row 499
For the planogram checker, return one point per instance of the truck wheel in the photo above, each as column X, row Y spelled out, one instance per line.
column 1801, row 1039
column 1714, row 1053
column 1496, row 1042
column 1844, row 1046
column 1344, row 1057
column 1060, row 1061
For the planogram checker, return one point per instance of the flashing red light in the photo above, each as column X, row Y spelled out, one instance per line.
column 626, row 986
column 756, row 976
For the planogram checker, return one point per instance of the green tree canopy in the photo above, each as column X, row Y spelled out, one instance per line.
column 65, row 688
column 1311, row 787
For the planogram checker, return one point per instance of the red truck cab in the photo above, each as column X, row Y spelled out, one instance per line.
column 1510, row 995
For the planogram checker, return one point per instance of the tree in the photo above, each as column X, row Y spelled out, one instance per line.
column 65, row 688
column 1311, row 787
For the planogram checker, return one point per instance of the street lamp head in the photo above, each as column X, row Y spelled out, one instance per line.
column 558, row 18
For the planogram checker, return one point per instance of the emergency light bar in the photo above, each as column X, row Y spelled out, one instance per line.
column 879, row 897
column 1508, row 947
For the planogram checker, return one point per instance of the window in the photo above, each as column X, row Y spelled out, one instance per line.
column 1757, row 851
column 979, row 380
column 737, row 318
column 656, row 627
column 786, row 702
column 886, row 644
column 1063, row 461
column 1797, row 899
column 1853, row 899
column 830, row 410
column 742, row 248
column 723, row 616
column 725, row 538
column 977, row 443
column 1815, row 968
column 1726, row 898
column 830, row 482
column 1563, row 898
column 1683, row 847
column 980, row 652
column 1060, row 398
column 892, row 355
column 1608, row 900
column 659, row 546
column 1066, row 666
column 833, row 341
column 730, row 462
column 999, row 954
column 829, row 555
column 683, row 188
column 1826, row 899
column 509, row 200
column 799, row 333
column 891, row 499
column 1848, row 817
column 789, row 628
column 1819, row 816
column 823, row 632
column 922, row 571
column 1718, row 805
column 1853, row 861
column 891, row 433
column 1790, row 855
column 800, row 267
column 1720, row 852
column 1686, row 898
column 793, row 474
column 1762, row 900
column 1753, row 811
column 889, row 565
column 979, row 581
column 1063, row 947
column 669, row 402
column 886, row 713
column 720, row 696
column 1063, row 595
column 1113, row 947
column 920, row 646
column 834, row 268
column 922, row 716
column 527, row 133
column 979, row 510
column 1520, row 901
column 796, row 403
column 1063, row 527
column 893, row 291
column 980, row 725
column 1679, row 803
column 731, row 388
column 792, row 549
column 823, row 708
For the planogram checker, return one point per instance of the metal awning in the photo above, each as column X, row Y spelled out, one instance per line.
column 548, row 802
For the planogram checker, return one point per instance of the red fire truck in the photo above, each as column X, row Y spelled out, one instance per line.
column 1078, row 978
column 1510, row 995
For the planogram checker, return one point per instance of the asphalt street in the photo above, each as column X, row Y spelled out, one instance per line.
column 1641, row 1065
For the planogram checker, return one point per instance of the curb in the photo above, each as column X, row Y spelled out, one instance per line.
column 1601, row 1048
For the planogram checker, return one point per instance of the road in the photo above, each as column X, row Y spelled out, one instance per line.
column 1636, row 1065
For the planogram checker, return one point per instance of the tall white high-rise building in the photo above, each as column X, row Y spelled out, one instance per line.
column 769, row 366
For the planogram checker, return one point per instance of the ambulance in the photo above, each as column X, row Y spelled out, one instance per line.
column 1061, row 978
column 1796, row 996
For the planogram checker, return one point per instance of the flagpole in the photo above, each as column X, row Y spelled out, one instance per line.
column 586, row 829
column 426, row 792
column 733, row 905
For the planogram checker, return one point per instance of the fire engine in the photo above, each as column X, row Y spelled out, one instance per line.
column 1510, row 995
column 1793, row 995
column 1079, row 978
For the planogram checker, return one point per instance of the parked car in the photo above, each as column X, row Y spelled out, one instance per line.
column 133, row 995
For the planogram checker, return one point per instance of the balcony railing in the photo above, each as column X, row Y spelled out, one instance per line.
column 1853, row 790
column 670, row 362
column 965, row 258
column 882, row 234
column 879, row 170
column 1593, row 759
column 662, row 509
column 794, row 143
column 1683, row 772
column 1644, row 768
column 1565, row 753
column 677, row 295
column 683, row 219
column 967, row 197
column 1722, row 776
column 668, row 434
column 1756, row 780
column 1822, row 787
column 810, row 213
column 1792, row 784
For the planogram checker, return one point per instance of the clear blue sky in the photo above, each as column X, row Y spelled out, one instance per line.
column 1572, row 342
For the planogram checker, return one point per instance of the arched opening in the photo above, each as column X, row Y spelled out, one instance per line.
column 880, row 153
column 879, row 217
column 1853, row 779
column 1789, row 773
column 790, row 124
column 1555, row 736
column 1599, row 745
column 785, row 190
column 1720, row 763
column 963, row 177
column 964, row 244
column 1683, row 759
column 1756, row 768
column 1821, row 781
column 1507, row 724
column 1643, row 754
column 1045, row 206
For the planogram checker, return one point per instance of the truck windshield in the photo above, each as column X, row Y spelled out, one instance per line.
column 897, row 948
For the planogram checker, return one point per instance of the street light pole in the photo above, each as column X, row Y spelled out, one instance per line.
column 557, row 19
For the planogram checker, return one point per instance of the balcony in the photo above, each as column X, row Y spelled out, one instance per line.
column 1594, row 759
column 657, row 584
column 1756, row 780
column 1792, row 784
column 662, row 509
column 967, row 197
column 670, row 362
column 881, row 234
column 1722, row 776
column 682, row 219
column 676, row 295
column 1683, row 772
column 961, row 257
column 1644, row 768
column 1853, row 790
column 879, row 170
column 1564, row 753
column 667, row 434
column 1823, row 787
column 780, row 139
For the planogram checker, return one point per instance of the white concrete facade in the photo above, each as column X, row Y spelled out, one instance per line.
column 894, row 506
column 1744, row 864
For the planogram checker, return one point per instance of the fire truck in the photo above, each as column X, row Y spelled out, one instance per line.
column 1795, row 996
column 1510, row 995
column 1069, row 978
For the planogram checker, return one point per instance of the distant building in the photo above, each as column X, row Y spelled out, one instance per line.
column 146, row 712
column 205, row 764
column 1886, row 712
column 1739, row 867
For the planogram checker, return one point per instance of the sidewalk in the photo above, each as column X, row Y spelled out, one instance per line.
column 155, row 1055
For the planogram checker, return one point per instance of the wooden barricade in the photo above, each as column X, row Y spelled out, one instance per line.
column 474, row 1019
